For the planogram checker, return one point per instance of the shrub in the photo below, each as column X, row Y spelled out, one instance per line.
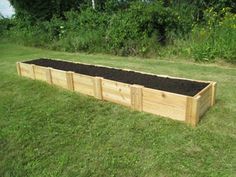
column 217, row 40
column 130, row 30
column 5, row 25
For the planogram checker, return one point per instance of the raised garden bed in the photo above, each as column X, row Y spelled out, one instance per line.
column 177, row 98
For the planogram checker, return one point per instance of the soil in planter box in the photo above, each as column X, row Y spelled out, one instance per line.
column 179, row 86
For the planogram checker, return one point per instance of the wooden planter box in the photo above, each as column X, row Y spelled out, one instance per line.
column 180, row 107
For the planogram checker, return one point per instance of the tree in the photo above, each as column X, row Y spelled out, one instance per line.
column 45, row 10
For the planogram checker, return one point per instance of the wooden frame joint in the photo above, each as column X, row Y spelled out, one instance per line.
column 98, row 88
column 18, row 68
column 69, row 80
column 193, row 110
column 136, row 97
column 48, row 75
column 33, row 72
column 213, row 93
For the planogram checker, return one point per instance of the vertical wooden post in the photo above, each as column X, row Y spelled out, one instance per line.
column 48, row 75
column 32, row 71
column 98, row 87
column 69, row 79
column 193, row 110
column 18, row 68
column 213, row 94
column 136, row 97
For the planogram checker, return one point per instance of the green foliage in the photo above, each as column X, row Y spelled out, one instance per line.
column 130, row 30
column 83, row 31
column 217, row 39
column 203, row 30
column 5, row 25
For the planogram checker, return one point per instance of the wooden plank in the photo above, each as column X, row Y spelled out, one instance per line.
column 166, row 98
column 48, row 75
column 137, row 97
column 203, row 108
column 83, row 84
column 33, row 72
column 193, row 110
column 205, row 99
column 27, row 70
column 18, row 68
column 40, row 73
column 116, row 98
column 98, row 87
column 213, row 93
column 69, row 79
column 116, row 92
column 164, row 110
column 59, row 78
column 164, row 103
column 203, row 91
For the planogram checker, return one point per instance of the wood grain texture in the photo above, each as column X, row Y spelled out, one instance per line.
column 164, row 104
column 192, row 110
column 137, row 97
column 98, row 87
column 59, row 78
column 18, row 68
column 213, row 93
column 205, row 99
column 40, row 73
column 83, row 84
column 26, row 70
column 69, row 79
column 33, row 71
column 48, row 75
column 116, row 92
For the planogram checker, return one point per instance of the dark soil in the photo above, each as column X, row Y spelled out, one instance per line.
column 184, row 87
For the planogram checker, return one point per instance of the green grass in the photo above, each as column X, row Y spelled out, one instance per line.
column 48, row 131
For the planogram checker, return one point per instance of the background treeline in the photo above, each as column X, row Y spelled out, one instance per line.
column 201, row 29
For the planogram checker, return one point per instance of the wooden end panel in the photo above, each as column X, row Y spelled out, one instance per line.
column 213, row 93
column 59, row 78
column 116, row 92
column 205, row 99
column 83, row 84
column 164, row 104
column 40, row 73
column 18, row 68
column 27, row 70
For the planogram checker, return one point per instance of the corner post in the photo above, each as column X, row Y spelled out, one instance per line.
column 48, row 75
column 213, row 93
column 18, row 68
column 193, row 110
column 136, row 97
column 33, row 72
column 98, row 88
column 69, row 79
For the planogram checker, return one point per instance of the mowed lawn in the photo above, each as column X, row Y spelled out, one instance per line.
column 48, row 131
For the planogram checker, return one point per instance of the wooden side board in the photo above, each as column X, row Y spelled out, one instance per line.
column 175, row 106
column 164, row 103
column 83, row 84
column 40, row 73
column 116, row 92
column 26, row 70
